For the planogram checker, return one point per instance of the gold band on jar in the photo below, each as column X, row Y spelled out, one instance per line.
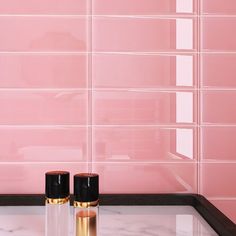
column 58, row 201
column 85, row 204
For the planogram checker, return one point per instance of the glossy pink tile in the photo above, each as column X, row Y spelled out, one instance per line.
column 228, row 207
column 218, row 70
column 218, row 34
column 52, row 33
column 226, row 7
column 143, row 34
column 43, row 71
column 25, row 178
column 218, row 107
column 43, row 107
column 218, row 143
column 147, row 178
column 143, row 107
column 135, row 144
column 43, row 144
column 216, row 179
column 144, row 71
column 43, row 7
column 140, row 7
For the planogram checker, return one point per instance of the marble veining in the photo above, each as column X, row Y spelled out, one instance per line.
column 114, row 220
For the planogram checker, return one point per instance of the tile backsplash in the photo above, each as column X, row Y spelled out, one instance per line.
column 142, row 92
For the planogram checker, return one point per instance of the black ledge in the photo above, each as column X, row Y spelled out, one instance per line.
column 215, row 218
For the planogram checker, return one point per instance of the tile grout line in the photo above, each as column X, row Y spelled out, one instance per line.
column 87, row 52
column 91, row 86
column 198, row 96
column 131, row 53
column 192, row 15
column 164, row 126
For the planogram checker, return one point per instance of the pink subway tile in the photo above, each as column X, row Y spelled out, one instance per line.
column 218, row 143
column 219, row 107
column 43, row 7
column 43, row 71
column 143, row 107
column 216, row 179
column 218, row 70
column 144, row 71
column 218, row 33
column 146, row 178
column 135, row 144
column 43, row 144
column 219, row 7
column 52, row 33
column 140, row 7
column 143, row 34
column 25, row 178
column 43, row 107
column 228, row 207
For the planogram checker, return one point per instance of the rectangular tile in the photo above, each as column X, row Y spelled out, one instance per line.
column 218, row 107
column 226, row 7
column 218, row 70
column 218, row 143
column 218, row 34
column 217, row 180
column 52, row 33
column 43, row 107
column 143, row 107
column 22, row 178
column 228, row 207
column 140, row 7
column 147, row 178
column 43, row 7
column 137, row 144
column 144, row 71
column 43, row 71
column 143, row 34
column 43, row 144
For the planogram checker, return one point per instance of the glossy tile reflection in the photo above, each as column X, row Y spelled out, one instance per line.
column 215, row 179
column 218, row 70
column 114, row 220
column 57, row 33
column 217, row 34
column 219, row 107
column 218, row 143
column 140, row 7
column 143, row 144
column 143, row 107
column 53, row 70
column 29, row 178
column 43, row 107
column 227, row 7
column 143, row 34
column 168, row 177
column 144, row 71
column 43, row 144
column 43, row 7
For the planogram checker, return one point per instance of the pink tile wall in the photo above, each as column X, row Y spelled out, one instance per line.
column 217, row 114
column 142, row 92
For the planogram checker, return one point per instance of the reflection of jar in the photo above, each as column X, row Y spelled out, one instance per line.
column 86, row 194
column 86, row 222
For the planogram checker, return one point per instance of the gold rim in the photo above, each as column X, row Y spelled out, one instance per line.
column 57, row 200
column 85, row 204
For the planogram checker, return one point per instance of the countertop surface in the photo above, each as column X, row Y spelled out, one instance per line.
column 113, row 220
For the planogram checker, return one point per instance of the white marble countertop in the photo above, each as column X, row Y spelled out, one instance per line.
column 114, row 221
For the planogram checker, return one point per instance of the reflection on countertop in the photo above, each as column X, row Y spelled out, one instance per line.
column 113, row 220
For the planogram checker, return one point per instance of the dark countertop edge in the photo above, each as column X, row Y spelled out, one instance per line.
column 218, row 221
